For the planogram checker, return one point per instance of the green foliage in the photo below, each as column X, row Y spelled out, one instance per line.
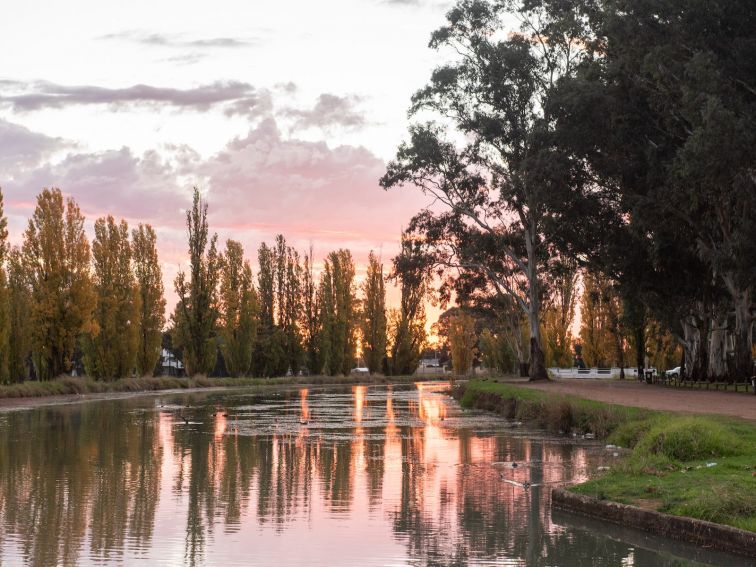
column 269, row 355
column 724, row 502
column 504, row 188
column 310, row 323
column 110, row 348
column 196, row 313
column 407, row 325
column 559, row 313
column 266, row 285
column 661, row 110
column 5, row 306
column 551, row 412
column 671, row 458
column 496, row 352
column 600, row 334
column 56, row 257
column 462, row 341
column 338, row 313
column 282, row 284
column 689, row 439
column 20, row 328
column 238, row 310
column 373, row 331
column 289, row 276
column 149, row 280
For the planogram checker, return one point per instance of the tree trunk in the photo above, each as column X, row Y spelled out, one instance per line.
column 537, row 360
column 619, row 347
column 640, row 348
column 692, row 347
column 514, row 338
column 743, row 365
column 718, row 348
column 741, row 302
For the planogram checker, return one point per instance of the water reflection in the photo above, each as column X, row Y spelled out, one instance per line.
column 369, row 476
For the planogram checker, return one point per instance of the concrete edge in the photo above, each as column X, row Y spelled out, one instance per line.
column 689, row 530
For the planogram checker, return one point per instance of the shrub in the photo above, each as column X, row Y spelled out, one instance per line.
column 689, row 439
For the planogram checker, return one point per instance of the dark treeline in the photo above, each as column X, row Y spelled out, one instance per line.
column 68, row 305
column 286, row 321
column 606, row 141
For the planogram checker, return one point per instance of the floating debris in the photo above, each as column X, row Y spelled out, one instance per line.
column 524, row 485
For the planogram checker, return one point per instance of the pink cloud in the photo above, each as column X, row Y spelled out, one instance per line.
column 314, row 191
column 258, row 186
column 20, row 148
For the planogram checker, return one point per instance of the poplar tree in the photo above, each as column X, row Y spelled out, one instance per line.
column 601, row 332
column 558, row 314
column 20, row 329
column 408, row 335
column 56, row 258
column 196, row 312
column 111, row 346
column 269, row 355
column 289, row 276
column 266, row 284
column 462, row 341
column 338, row 310
column 238, row 310
column 374, row 316
column 310, row 317
column 498, row 176
column 149, row 280
column 5, row 375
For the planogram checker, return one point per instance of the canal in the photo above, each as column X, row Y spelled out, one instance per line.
column 368, row 476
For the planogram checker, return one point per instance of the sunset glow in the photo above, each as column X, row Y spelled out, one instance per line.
column 283, row 131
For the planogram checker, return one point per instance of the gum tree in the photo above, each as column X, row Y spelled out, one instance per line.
column 501, row 175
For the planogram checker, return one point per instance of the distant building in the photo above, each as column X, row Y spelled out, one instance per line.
column 169, row 364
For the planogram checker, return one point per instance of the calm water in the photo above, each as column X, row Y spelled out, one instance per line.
column 350, row 476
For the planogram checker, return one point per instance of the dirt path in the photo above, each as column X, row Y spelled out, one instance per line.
column 633, row 393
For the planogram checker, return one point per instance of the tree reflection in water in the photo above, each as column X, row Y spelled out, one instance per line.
column 397, row 475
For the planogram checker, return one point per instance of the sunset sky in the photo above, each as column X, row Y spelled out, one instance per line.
column 283, row 113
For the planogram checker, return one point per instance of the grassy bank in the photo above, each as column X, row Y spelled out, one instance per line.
column 68, row 385
column 697, row 466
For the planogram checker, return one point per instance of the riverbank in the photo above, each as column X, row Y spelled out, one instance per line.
column 651, row 396
column 68, row 386
column 695, row 466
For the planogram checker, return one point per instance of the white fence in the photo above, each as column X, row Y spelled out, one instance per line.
column 608, row 373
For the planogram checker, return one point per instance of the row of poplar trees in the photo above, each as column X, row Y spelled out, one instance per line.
column 67, row 304
column 289, row 322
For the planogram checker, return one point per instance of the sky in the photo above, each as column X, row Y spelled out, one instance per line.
column 284, row 114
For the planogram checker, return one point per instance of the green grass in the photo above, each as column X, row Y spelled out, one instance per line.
column 555, row 413
column 667, row 468
column 67, row 385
